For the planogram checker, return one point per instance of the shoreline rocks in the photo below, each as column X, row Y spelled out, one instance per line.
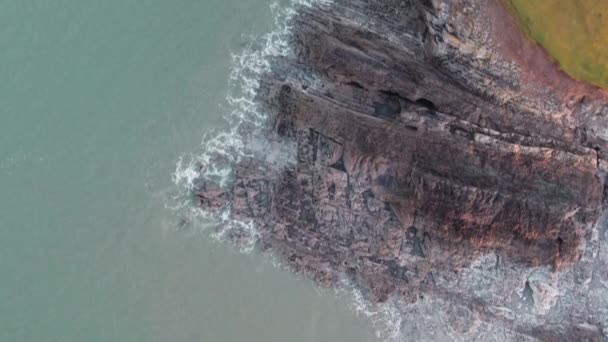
column 429, row 162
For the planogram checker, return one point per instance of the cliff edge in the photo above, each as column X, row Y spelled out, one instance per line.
column 439, row 160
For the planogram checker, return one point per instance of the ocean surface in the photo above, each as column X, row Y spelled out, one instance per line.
column 99, row 100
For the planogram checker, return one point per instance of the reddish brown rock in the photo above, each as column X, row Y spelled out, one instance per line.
column 423, row 142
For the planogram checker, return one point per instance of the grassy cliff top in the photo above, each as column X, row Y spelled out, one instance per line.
column 574, row 33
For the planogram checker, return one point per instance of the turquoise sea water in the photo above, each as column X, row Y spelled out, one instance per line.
column 98, row 100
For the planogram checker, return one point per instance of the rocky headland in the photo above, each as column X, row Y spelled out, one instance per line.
column 439, row 160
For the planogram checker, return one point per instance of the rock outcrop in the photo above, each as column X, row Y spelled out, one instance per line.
column 438, row 158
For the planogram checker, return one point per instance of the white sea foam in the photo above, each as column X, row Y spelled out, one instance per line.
column 386, row 317
column 243, row 111
column 220, row 149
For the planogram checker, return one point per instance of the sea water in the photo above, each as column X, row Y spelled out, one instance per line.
column 99, row 100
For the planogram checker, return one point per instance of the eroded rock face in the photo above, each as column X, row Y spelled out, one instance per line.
column 432, row 163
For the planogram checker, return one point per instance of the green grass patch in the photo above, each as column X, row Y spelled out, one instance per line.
column 574, row 33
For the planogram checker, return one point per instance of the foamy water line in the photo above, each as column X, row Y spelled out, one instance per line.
column 222, row 148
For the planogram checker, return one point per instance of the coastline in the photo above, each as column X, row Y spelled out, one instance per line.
column 434, row 159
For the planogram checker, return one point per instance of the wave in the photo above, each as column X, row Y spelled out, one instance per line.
column 245, row 119
column 386, row 318
column 222, row 148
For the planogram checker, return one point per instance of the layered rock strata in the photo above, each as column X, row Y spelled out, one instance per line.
column 438, row 157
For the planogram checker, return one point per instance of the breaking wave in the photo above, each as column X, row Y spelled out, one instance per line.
column 222, row 148
column 386, row 318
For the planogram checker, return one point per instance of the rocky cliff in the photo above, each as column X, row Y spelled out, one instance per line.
column 440, row 160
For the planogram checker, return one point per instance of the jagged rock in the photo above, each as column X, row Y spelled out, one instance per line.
column 437, row 153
